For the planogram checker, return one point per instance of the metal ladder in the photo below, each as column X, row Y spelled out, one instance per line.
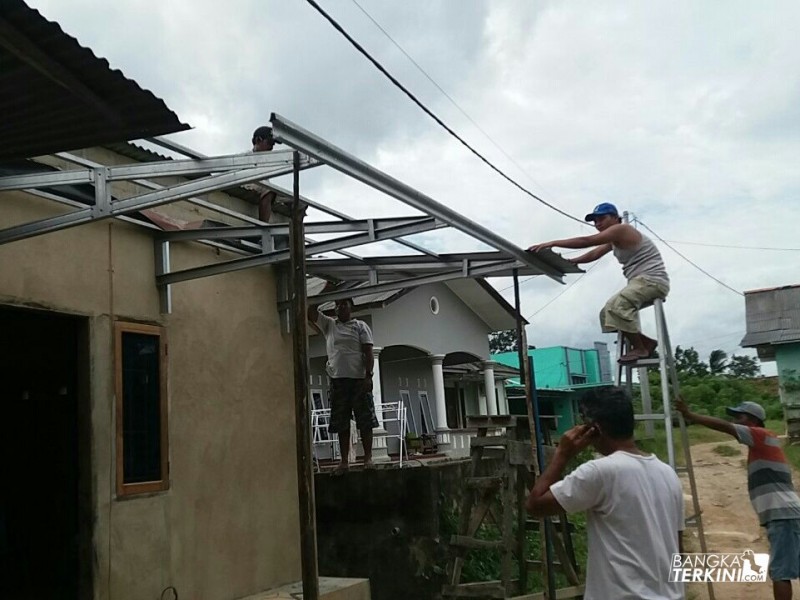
column 670, row 388
column 504, row 488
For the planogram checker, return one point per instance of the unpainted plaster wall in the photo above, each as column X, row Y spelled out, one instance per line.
column 228, row 525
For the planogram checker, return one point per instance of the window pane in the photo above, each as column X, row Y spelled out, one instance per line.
column 141, row 407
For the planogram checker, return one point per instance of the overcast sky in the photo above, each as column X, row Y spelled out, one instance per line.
column 687, row 114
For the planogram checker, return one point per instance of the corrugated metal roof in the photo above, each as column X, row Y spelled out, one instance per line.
column 773, row 316
column 59, row 96
column 773, row 289
column 770, row 337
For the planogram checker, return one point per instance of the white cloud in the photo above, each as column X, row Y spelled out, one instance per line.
column 685, row 113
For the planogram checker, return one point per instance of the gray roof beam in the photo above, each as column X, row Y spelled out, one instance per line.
column 152, row 199
column 151, row 169
column 401, row 284
column 360, row 239
column 325, row 227
column 175, row 147
column 291, row 134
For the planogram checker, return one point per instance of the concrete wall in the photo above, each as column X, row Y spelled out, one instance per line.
column 392, row 526
column 410, row 321
column 228, row 525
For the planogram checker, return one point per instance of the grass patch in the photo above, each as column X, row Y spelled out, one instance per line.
column 792, row 452
column 724, row 450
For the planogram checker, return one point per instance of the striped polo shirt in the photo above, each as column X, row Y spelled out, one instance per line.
column 769, row 476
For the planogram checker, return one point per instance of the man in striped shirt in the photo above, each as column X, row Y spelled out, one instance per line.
column 769, row 481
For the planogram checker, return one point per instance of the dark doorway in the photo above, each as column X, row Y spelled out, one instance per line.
column 44, row 528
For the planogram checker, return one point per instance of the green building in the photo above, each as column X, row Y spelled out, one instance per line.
column 561, row 374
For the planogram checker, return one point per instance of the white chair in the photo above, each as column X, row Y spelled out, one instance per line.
column 393, row 417
column 320, row 435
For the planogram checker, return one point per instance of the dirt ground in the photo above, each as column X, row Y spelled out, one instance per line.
column 730, row 522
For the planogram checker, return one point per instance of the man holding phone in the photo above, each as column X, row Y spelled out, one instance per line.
column 633, row 502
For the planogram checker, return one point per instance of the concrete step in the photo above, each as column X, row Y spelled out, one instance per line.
column 330, row 588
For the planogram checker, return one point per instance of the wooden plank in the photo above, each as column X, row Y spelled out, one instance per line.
column 489, row 440
column 489, row 590
column 533, row 524
column 566, row 564
column 483, row 483
column 472, row 543
column 495, row 421
column 509, row 497
column 561, row 594
column 519, row 453
column 522, row 516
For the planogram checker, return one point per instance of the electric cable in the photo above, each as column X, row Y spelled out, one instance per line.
column 562, row 292
column 432, row 115
column 773, row 248
column 446, row 95
column 695, row 265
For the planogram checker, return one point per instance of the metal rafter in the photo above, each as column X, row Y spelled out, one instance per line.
column 175, row 147
column 291, row 134
column 282, row 161
column 411, row 282
column 384, row 273
column 107, row 209
column 252, row 231
column 237, row 264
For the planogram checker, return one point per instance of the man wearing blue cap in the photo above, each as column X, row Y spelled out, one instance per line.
column 643, row 268
column 769, row 481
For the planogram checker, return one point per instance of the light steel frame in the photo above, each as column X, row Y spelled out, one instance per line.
column 254, row 240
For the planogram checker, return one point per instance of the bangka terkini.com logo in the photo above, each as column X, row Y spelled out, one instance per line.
column 747, row 566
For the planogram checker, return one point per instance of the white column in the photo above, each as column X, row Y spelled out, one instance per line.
column 488, row 384
column 438, row 391
column 377, row 392
column 502, row 398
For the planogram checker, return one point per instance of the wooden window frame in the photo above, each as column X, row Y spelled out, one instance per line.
column 145, row 487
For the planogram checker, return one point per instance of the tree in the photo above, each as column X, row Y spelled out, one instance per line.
column 687, row 362
column 745, row 367
column 503, row 341
column 717, row 362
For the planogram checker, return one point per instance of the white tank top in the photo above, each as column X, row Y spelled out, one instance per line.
column 644, row 259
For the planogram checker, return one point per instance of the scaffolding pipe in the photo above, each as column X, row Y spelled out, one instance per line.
column 305, row 467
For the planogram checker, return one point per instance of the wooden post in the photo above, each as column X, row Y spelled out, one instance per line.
column 305, row 466
column 527, row 379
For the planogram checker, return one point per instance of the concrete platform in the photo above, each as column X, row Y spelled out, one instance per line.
column 330, row 588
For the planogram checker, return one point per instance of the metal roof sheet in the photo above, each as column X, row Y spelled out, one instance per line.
column 58, row 95
column 773, row 316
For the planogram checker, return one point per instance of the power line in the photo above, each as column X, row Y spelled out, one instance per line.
column 527, row 279
column 431, row 114
column 446, row 95
column 562, row 292
column 734, row 247
column 695, row 265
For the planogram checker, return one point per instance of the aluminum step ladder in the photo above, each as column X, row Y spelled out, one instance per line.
column 670, row 389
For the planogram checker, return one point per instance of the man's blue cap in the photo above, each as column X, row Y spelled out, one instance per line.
column 606, row 208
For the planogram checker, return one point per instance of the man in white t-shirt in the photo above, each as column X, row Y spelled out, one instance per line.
column 633, row 503
column 350, row 362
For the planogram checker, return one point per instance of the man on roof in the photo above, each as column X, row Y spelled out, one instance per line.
column 642, row 266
